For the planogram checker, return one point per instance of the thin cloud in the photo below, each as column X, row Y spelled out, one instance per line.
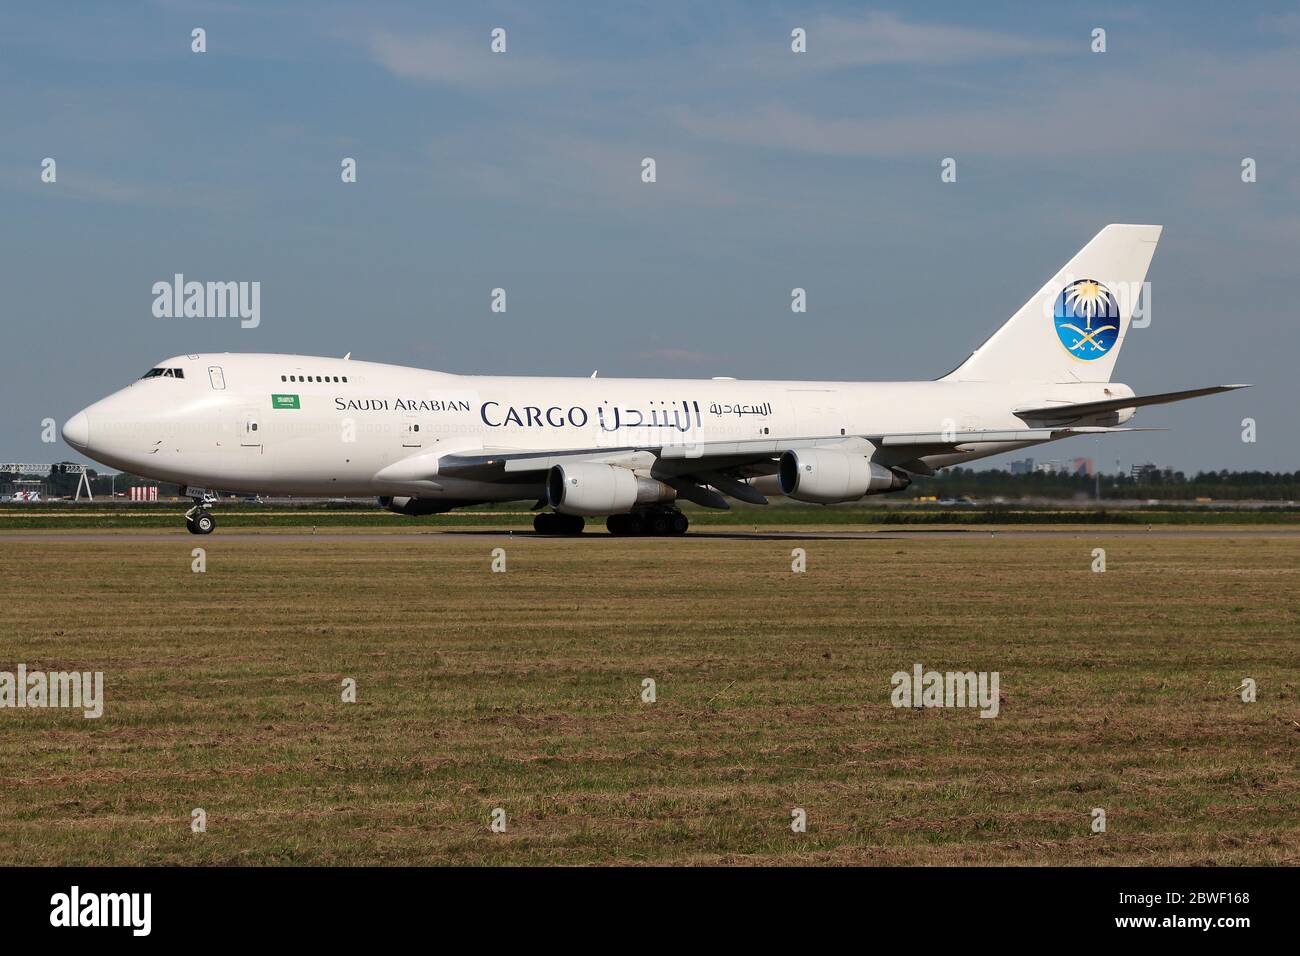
column 459, row 60
column 1218, row 107
column 530, row 166
column 78, row 184
column 884, row 38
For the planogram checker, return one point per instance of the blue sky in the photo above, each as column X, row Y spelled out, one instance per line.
column 775, row 170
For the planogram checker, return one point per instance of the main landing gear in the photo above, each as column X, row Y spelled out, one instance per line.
column 552, row 522
column 199, row 520
column 661, row 522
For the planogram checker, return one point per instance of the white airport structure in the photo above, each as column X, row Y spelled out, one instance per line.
column 26, row 468
column 425, row 442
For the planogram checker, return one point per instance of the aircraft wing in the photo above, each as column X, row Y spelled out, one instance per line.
column 687, row 459
column 1067, row 412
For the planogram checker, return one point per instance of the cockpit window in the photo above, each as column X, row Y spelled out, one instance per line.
column 164, row 373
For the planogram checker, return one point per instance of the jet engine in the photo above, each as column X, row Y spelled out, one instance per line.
column 587, row 488
column 827, row 476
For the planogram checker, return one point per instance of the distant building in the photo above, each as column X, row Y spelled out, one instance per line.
column 1144, row 472
column 1082, row 466
column 1022, row 466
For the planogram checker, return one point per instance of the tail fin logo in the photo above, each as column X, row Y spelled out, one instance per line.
column 1087, row 319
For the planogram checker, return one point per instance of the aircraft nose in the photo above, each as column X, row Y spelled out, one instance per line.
column 76, row 431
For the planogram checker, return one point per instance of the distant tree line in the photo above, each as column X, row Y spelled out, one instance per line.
column 1167, row 485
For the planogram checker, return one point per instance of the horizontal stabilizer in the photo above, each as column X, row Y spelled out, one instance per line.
column 1084, row 409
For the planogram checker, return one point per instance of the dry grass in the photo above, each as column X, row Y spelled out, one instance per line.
column 522, row 690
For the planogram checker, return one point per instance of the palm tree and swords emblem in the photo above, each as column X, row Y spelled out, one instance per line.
column 1086, row 301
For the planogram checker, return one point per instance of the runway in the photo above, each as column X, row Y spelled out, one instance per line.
column 452, row 534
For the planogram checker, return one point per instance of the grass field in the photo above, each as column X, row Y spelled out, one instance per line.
column 522, row 690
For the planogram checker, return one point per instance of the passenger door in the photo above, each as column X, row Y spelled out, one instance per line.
column 411, row 437
column 250, row 430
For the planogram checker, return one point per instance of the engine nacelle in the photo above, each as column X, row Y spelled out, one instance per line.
column 415, row 507
column 826, row 476
column 587, row 488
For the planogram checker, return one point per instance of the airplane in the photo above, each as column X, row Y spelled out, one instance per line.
column 426, row 442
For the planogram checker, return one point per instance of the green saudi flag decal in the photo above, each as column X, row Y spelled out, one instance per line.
column 285, row 401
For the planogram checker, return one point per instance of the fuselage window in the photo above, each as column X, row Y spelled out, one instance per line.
column 284, row 378
column 345, row 378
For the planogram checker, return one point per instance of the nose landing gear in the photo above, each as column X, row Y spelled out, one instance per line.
column 199, row 520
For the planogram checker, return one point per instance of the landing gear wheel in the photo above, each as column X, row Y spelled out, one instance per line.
column 616, row 524
column 201, row 523
column 659, row 524
column 680, row 523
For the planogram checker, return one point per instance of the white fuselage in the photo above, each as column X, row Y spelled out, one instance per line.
column 299, row 425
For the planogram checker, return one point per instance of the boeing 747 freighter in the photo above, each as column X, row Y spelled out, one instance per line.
column 425, row 442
